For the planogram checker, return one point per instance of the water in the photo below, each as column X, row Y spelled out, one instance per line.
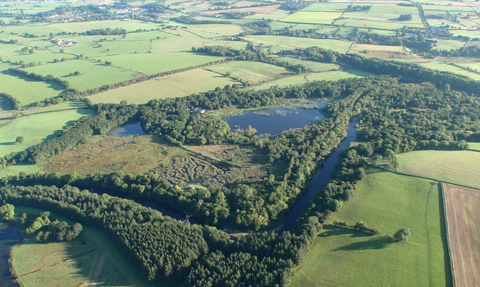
column 9, row 236
column 127, row 129
column 320, row 180
column 276, row 120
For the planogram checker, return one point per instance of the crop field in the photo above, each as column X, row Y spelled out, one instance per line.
column 452, row 69
column 387, row 202
column 292, row 42
column 360, row 48
column 92, row 259
column 462, row 212
column 312, row 17
column 326, row 7
column 176, row 85
column 253, row 72
column 36, row 128
column 26, row 91
column 459, row 167
column 92, row 73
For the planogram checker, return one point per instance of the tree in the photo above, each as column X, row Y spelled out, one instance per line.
column 19, row 140
column 401, row 234
column 7, row 211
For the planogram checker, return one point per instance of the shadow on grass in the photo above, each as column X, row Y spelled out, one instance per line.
column 332, row 230
column 8, row 143
column 373, row 243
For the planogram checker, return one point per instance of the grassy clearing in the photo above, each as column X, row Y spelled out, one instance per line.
column 43, row 57
column 92, row 73
column 16, row 169
column 474, row 146
column 471, row 66
column 103, row 264
column 312, row 17
column 176, row 85
column 26, row 91
column 449, row 44
column 459, row 167
column 314, row 66
column 285, row 82
column 217, row 29
column 159, row 62
column 253, row 72
column 338, row 75
column 389, row 12
column 450, row 68
column 385, row 201
column 36, row 128
column 72, row 104
column 292, row 42
column 376, row 24
column 183, row 41
column 356, row 48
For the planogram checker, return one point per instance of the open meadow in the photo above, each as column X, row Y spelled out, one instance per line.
column 27, row 91
column 92, row 259
column 36, row 128
column 385, row 201
column 253, row 72
column 293, row 42
column 452, row 69
column 458, row 167
column 170, row 86
column 462, row 211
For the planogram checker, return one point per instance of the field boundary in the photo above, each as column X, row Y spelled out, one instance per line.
column 442, row 192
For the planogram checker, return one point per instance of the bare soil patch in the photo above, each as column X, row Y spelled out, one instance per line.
column 462, row 212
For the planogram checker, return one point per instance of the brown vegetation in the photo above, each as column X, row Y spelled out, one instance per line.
column 462, row 212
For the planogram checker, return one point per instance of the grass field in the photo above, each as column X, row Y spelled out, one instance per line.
column 452, row 69
column 285, row 82
column 90, row 260
column 36, row 128
column 337, row 75
column 449, row 44
column 387, row 202
column 26, row 91
column 16, row 169
column 253, row 72
column 314, row 66
column 153, row 63
column 312, row 17
column 474, row 146
column 176, row 85
column 292, row 42
column 375, row 24
column 459, row 167
column 72, row 104
column 326, row 7
column 92, row 73
column 462, row 211
column 356, row 48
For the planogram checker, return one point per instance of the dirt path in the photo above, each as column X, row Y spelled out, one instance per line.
column 98, row 270
column 57, row 263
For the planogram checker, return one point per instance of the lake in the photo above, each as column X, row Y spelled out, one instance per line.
column 127, row 129
column 276, row 120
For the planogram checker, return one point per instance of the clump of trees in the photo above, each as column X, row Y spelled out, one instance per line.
column 401, row 234
column 7, row 211
column 359, row 225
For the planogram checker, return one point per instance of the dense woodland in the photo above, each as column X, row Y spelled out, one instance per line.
column 408, row 108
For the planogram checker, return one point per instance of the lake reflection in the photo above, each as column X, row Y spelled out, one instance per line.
column 276, row 120
column 128, row 129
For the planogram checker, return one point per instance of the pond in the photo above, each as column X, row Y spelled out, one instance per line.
column 9, row 236
column 127, row 129
column 276, row 120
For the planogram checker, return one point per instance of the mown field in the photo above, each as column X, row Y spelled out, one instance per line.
column 462, row 210
column 450, row 68
column 175, row 85
column 460, row 167
column 36, row 128
column 27, row 91
column 90, row 260
column 253, row 72
column 387, row 202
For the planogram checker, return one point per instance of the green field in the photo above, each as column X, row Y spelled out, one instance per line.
column 458, row 167
column 449, row 44
column 176, row 85
column 293, row 42
column 253, row 72
column 314, row 66
column 94, row 259
column 183, row 41
column 474, row 146
column 36, row 128
column 450, row 68
column 16, row 169
column 337, row 75
column 312, row 17
column 326, row 7
column 26, row 91
column 387, row 202
column 92, row 73
column 67, row 105
column 285, row 82
column 376, row 24
column 153, row 63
